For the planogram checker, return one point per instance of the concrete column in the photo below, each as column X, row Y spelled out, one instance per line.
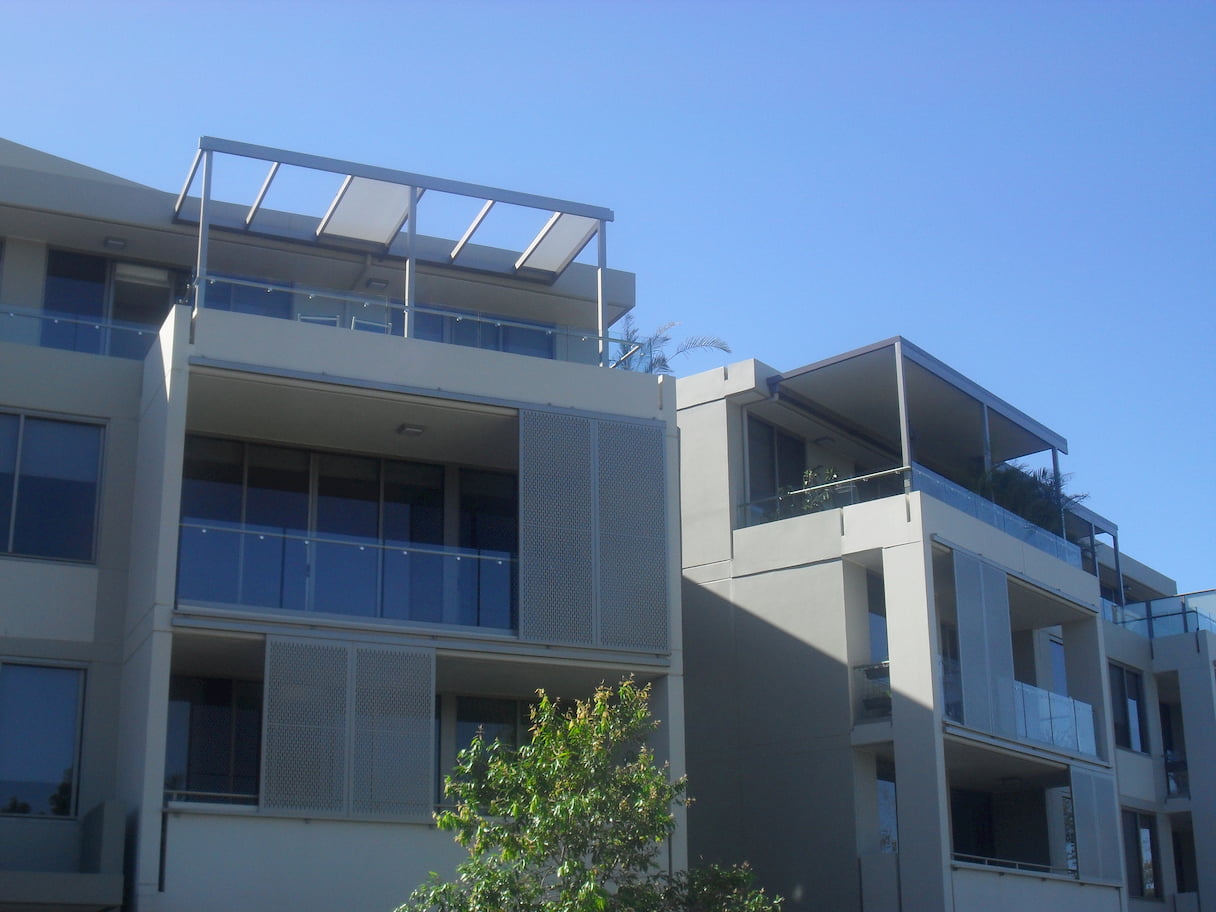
column 1198, row 690
column 922, row 796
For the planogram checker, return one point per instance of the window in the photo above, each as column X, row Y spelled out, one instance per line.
column 497, row 718
column 284, row 528
column 49, row 473
column 103, row 307
column 1127, row 705
column 484, row 331
column 1140, row 856
column 39, row 739
column 214, row 741
column 776, row 460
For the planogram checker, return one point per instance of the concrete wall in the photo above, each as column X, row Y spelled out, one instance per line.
column 243, row 861
column 977, row 890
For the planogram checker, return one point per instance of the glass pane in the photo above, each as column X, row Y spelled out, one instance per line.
column 8, row 473
column 212, row 481
column 536, row 343
column 275, row 556
column 39, row 724
column 75, row 289
column 413, row 515
column 57, row 490
column 489, row 511
column 496, row 719
column 345, row 576
column 213, row 740
column 761, row 459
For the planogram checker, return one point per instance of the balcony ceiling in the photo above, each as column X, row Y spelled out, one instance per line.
column 858, row 392
column 974, row 766
column 276, row 410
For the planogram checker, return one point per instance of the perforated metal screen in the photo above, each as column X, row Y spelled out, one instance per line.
column 557, row 513
column 633, row 536
column 348, row 729
column 593, row 532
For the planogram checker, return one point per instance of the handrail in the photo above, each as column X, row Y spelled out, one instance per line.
column 1030, row 866
column 391, row 304
column 307, row 539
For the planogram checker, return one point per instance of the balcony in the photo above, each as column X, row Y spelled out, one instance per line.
column 1050, row 718
column 46, row 329
column 382, row 315
column 877, row 485
column 872, row 691
column 243, row 568
column 1167, row 616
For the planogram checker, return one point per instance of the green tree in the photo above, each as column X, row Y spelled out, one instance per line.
column 648, row 354
column 573, row 821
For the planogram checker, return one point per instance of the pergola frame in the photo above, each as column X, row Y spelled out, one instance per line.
column 374, row 205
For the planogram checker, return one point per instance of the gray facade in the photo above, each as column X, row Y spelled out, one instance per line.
column 293, row 502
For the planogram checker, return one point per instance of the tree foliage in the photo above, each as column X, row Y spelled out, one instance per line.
column 573, row 821
column 648, row 354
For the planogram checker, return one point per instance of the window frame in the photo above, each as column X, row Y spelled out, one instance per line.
column 1125, row 734
column 8, row 524
column 1137, row 821
column 77, row 729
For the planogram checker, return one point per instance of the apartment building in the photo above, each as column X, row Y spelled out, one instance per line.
column 306, row 473
column 905, row 686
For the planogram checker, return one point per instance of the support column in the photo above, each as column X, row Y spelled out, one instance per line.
column 922, row 795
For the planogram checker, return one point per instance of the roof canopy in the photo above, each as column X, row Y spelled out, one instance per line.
column 377, row 209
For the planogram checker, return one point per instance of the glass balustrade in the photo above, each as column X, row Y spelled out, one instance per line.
column 46, row 329
column 872, row 691
column 260, row 568
column 384, row 316
column 1051, row 718
column 1168, row 616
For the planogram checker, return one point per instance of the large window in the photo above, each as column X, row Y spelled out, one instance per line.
column 1127, row 706
column 284, row 528
column 458, row 720
column 776, row 460
column 39, row 739
column 49, row 473
column 103, row 307
column 214, row 744
column 1140, row 856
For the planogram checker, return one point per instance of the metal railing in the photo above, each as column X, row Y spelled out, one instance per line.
column 1166, row 616
column 1052, row 718
column 872, row 691
column 241, row 798
column 877, row 485
column 996, row 516
column 250, row 568
column 383, row 315
column 1030, row 866
column 68, row 332
column 830, row 496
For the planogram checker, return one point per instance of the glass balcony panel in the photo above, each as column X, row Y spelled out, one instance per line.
column 872, row 687
column 1083, row 713
column 1063, row 721
column 413, row 584
column 345, row 578
column 254, row 569
column 209, row 565
column 381, row 315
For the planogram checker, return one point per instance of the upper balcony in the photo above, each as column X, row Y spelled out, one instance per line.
column 1166, row 616
column 890, row 419
column 308, row 239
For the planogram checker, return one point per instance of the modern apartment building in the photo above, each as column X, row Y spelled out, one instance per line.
column 902, row 692
column 306, row 473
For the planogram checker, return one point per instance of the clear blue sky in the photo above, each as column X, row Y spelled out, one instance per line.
column 1025, row 189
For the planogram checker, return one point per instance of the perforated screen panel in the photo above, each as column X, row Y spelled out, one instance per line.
column 304, row 748
column 556, row 547
column 633, row 536
column 393, row 728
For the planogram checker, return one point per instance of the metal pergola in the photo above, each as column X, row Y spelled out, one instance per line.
column 377, row 209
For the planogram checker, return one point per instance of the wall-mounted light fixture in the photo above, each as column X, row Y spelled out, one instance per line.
column 410, row 430
column 377, row 284
column 114, row 243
